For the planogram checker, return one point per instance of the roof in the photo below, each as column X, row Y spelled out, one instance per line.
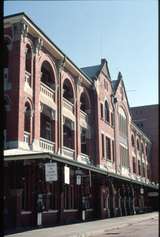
column 114, row 84
column 91, row 71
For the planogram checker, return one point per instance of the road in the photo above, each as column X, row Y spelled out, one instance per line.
column 147, row 228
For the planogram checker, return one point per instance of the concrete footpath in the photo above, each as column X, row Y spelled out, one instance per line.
column 87, row 229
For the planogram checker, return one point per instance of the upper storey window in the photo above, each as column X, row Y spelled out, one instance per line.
column 84, row 103
column 107, row 112
column 132, row 140
column 138, row 148
column 122, row 123
column 47, row 75
column 27, row 116
column 28, row 61
column 142, row 148
column 68, row 91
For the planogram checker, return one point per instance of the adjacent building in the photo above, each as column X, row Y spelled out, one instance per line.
column 147, row 119
column 72, row 150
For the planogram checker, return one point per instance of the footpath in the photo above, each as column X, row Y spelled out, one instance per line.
column 87, row 229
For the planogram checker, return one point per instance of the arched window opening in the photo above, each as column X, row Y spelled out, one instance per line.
column 47, row 75
column 28, row 61
column 68, row 133
column 84, row 103
column 68, row 91
column 27, row 118
column 107, row 119
column 138, row 145
column 132, row 140
column 84, row 143
column 142, row 148
column 47, row 123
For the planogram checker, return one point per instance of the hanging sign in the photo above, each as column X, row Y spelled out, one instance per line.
column 66, row 175
column 51, row 172
column 78, row 180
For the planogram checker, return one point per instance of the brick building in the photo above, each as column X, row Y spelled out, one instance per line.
column 147, row 119
column 76, row 121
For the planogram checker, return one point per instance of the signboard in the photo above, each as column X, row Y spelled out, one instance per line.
column 51, row 172
column 78, row 180
column 153, row 194
column 66, row 175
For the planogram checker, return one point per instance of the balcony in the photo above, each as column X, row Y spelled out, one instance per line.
column 83, row 116
column 28, row 78
column 47, row 94
column 68, row 152
column 68, row 105
column 85, row 159
column 47, row 145
column 26, row 137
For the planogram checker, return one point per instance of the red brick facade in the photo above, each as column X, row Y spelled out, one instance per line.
column 79, row 117
column 147, row 119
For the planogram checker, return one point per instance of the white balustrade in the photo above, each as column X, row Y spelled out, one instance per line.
column 28, row 78
column 26, row 137
column 47, row 91
column 83, row 115
column 68, row 152
column 68, row 105
column 47, row 145
column 85, row 158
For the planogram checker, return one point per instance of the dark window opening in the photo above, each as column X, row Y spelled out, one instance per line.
column 101, row 111
column 84, row 148
column 28, row 62
column 102, row 145
column 134, row 165
column 68, row 134
column 84, row 104
column 108, row 149
column 107, row 112
column 27, row 117
column 47, row 75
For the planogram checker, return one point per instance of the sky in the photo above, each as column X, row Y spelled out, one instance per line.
column 125, row 32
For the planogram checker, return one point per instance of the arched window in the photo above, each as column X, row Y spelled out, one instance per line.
column 138, row 145
column 107, row 119
column 27, row 117
column 47, row 75
column 84, row 103
column 68, row 91
column 28, row 61
column 132, row 140
column 142, row 148
column 122, row 123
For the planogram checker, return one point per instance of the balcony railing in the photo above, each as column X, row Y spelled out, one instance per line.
column 26, row 137
column 47, row 91
column 83, row 115
column 85, row 158
column 68, row 105
column 47, row 145
column 28, row 78
column 68, row 152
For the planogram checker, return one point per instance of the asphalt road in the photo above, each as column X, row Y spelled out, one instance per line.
column 147, row 228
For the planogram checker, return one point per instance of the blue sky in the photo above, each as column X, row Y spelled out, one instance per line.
column 125, row 32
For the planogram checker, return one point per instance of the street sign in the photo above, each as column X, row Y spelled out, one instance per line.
column 153, row 194
column 78, row 180
column 51, row 172
column 66, row 175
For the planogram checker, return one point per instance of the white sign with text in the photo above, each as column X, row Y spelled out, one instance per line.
column 51, row 172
